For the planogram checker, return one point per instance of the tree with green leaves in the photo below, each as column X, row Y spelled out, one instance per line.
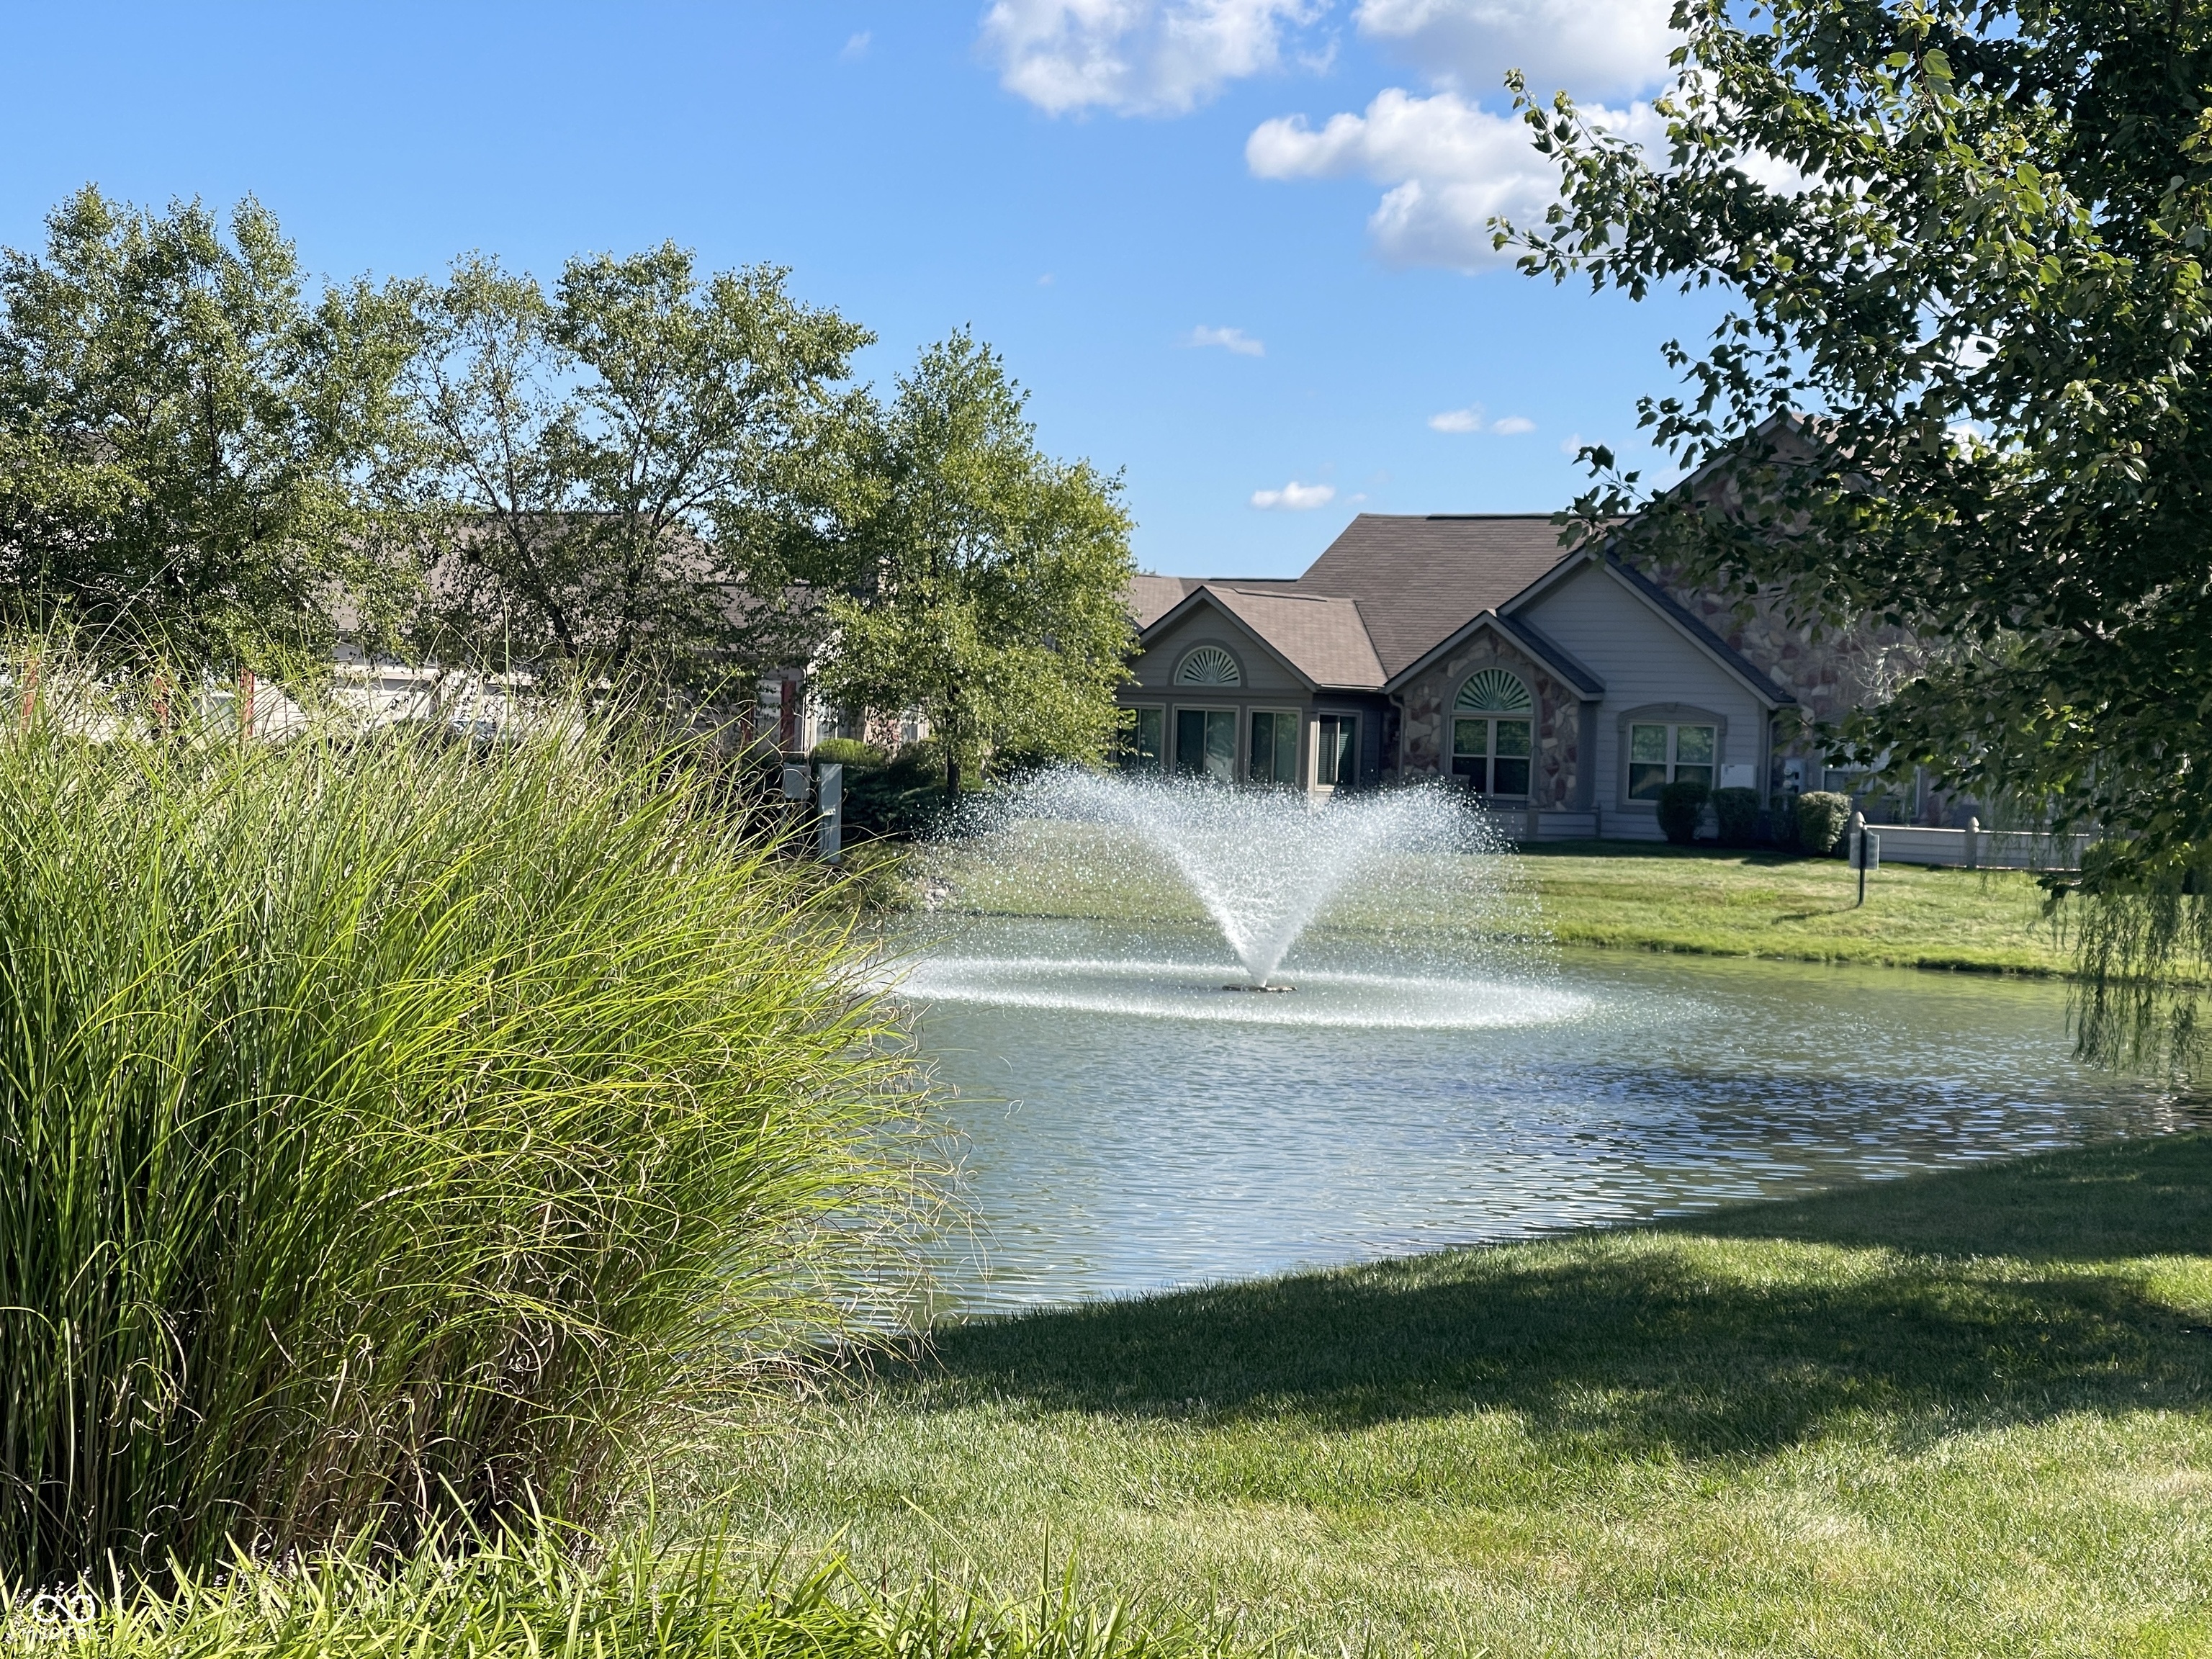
column 989, row 579
column 638, row 466
column 1960, row 387
column 196, row 457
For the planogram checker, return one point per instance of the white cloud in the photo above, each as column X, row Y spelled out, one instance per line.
column 1471, row 419
column 1449, row 165
column 1135, row 57
column 1295, row 496
column 1234, row 340
column 1571, row 444
column 1596, row 48
column 856, row 46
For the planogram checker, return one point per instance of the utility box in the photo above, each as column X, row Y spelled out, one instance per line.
column 795, row 786
column 830, row 798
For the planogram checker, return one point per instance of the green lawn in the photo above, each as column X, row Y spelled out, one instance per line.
column 1618, row 893
column 1962, row 1414
column 1727, row 904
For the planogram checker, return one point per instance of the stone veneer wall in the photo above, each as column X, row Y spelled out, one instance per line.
column 1425, row 733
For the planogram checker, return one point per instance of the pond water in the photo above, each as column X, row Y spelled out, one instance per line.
column 1130, row 1125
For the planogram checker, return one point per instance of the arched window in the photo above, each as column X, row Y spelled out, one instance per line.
column 1493, row 733
column 1209, row 665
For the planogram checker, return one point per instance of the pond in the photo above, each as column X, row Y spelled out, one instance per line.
column 1130, row 1124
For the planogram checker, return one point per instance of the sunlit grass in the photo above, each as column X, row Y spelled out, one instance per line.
column 1619, row 895
column 529, row 1597
column 1960, row 1414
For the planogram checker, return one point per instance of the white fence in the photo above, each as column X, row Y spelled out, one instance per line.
column 1974, row 849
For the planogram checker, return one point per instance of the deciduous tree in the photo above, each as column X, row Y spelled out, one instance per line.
column 638, row 464
column 989, row 579
column 1960, row 384
column 194, row 454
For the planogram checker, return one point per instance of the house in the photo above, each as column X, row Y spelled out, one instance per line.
column 1568, row 687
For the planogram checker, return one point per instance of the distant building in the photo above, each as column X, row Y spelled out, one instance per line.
column 1567, row 687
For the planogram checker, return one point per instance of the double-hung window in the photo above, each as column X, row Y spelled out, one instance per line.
column 1146, row 741
column 1493, row 733
column 1661, row 754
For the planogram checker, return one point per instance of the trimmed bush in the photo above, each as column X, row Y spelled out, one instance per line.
column 850, row 753
column 401, row 1126
column 904, row 798
column 1681, row 807
column 1736, row 811
column 1822, row 815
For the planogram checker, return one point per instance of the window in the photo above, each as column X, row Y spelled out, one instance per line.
column 1493, row 734
column 1274, row 753
column 1336, row 750
column 1659, row 755
column 1206, row 744
column 1209, row 665
column 1142, row 744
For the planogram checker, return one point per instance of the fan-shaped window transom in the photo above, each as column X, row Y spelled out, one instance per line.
column 1210, row 665
column 1494, row 691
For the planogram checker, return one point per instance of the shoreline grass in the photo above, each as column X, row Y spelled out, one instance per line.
column 1962, row 1413
column 1700, row 901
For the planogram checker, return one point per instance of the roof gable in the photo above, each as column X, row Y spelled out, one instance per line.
column 1318, row 637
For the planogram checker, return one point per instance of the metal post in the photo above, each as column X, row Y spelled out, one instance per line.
column 830, row 778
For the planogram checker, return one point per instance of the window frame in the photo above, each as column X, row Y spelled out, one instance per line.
column 1174, row 762
column 1672, row 716
column 1206, row 688
column 1297, row 726
column 1132, row 761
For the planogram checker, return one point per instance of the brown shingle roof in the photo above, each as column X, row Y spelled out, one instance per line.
column 1321, row 636
column 1151, row 598
column 1417, row 578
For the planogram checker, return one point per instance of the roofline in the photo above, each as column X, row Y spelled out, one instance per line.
column 1520, row 634
column 1203, row 591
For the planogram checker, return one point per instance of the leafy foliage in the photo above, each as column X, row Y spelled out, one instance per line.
column 193, row 457
column 1681, row 805
column 1961, row 384
column 1736, row 813
column 990, row 578
column 398, row 1126
column 1822, row 815
column 636, row 467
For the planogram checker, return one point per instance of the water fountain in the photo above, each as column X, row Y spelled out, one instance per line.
column 1262, row 866
column 1440, row 1074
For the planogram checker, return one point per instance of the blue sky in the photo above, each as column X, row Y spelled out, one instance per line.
column 1232, row 247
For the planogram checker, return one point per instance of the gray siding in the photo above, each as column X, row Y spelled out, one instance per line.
column 1644, row 661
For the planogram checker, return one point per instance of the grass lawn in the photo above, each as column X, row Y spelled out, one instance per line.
column 1719, row 903
column 1961, row 1414
column 1618, row 894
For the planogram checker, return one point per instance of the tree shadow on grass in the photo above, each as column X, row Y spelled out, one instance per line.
column 1982, row 1308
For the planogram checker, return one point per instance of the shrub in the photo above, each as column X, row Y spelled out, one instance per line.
column 1682, row 805
column 1821, row 817
column 400, row 1126
column 905, row 797
column 850, row 753
column 1736, row 811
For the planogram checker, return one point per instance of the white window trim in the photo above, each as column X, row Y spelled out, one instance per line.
column 1670, row 715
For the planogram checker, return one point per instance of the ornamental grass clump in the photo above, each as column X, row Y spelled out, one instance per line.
column 398, row 1129
column 524, row 1595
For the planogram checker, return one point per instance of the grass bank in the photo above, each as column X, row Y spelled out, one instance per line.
column 1713, row 902
column 1618, row 894
column 1962, row 1414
